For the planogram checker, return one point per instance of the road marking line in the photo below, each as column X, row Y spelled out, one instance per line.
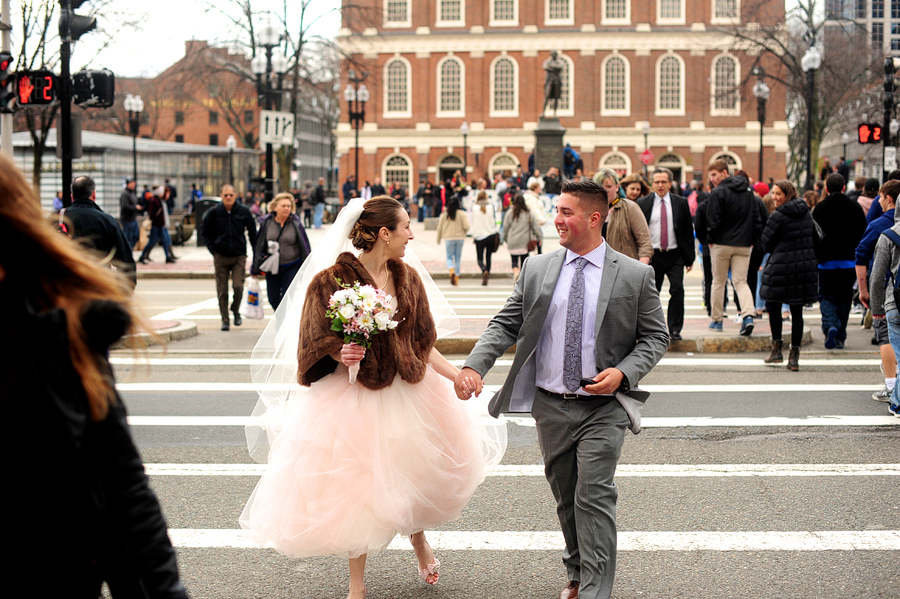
column 745, row 362
column 829, row 540
column 626, row 470
column 189, row 309
column 242, row 387
column 529, row 422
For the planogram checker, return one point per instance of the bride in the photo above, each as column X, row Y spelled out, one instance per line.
column 350, row 466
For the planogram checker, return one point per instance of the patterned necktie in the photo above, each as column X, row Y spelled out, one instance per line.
column 663, row 225
column 574, row 318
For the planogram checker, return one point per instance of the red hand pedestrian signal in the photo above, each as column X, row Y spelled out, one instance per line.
column 25, row 89
column 36, row 88
column 869, row 133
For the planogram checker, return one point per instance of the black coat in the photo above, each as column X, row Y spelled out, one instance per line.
column 791, row 275
column 224, row 231
column 79, row 507
column 732, row 215
column 99, row 231
column 844, row 223
column 681, row 222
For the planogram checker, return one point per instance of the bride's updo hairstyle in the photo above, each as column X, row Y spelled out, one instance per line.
column 380, row 211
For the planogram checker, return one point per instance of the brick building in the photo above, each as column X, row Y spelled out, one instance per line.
column 433, row 65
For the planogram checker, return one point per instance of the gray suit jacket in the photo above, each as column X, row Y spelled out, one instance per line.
column 631, row 330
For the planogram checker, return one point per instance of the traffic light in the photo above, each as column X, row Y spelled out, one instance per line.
column 94, row 89
column 7, row 84
column 868, row 133
column 36, row 88
column 72, row 26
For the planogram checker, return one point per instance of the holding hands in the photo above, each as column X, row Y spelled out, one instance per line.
column 468, row 382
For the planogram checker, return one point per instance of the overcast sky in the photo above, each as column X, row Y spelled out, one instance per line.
column 159, row 40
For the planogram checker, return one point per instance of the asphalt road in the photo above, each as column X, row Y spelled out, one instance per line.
column 722, row 503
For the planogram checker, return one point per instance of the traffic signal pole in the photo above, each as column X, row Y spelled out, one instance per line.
column 64, row 129
column 6, row 120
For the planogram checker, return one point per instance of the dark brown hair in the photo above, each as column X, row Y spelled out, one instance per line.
column 379, row 212
column 53, row 271
column 590, row 194
column 787, row 188
column 892, row 189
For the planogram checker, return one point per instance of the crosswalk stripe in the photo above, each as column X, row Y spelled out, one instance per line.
column 626, row 470
column 529, row 422
column 826, row 540
column 243, row 387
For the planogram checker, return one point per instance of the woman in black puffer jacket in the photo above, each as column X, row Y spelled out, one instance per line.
column 791, row 275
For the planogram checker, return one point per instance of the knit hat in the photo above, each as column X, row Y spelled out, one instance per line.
column 761, row 188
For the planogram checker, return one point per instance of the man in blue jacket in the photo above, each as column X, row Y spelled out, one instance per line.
column 865, row 253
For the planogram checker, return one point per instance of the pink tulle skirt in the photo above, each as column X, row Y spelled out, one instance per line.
column 351, row 467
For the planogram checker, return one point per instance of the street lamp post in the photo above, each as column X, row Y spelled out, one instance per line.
column 264, row 69
column 464, row 129
column 231, row 142
column 810, row 63
column 761, row 92
column 357, row 94
column 135, row 106
column 646, row 131
column 845, row 139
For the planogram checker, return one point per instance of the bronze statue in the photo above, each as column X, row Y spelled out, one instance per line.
column 553, row 66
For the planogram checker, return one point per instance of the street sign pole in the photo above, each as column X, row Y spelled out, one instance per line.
column 6, row 120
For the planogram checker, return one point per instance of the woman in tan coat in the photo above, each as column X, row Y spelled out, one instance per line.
column 626, row 228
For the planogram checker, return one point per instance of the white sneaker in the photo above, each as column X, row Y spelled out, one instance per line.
column 883, row 395
column 738, row 319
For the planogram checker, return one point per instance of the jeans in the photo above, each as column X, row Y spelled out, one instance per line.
column 424, row 212
column 317, row 217
column 132, row 233
column 835, row 298
column 277, row 285
column 893, row 320
column 454, row 254
column 156, row 235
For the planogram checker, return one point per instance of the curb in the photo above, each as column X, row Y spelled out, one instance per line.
column 185, row 329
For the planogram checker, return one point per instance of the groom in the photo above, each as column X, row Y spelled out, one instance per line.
column 582, row 312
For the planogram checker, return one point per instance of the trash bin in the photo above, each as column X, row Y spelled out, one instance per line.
column 201, row 207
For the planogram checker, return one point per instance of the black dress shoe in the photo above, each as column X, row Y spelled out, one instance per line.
column 237, row 319
column 225, row 325
column 170, row 260
column 144, row 261
column 675, row 336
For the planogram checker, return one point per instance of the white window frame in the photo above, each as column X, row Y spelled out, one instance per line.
column 736, row 109
column 398, row 114
column 661, row 21
column 570, row 111
column 615, row 112
column 738, row 163
column 714, row 20
column 625, row 21
column 397, row 24
column 658, row 111
column 628, row 163
column 493, row 161
column 462, row 89
column 505, row 113
column 494, row 22
column 384, row 166
column 461, row 22
column 569, row 21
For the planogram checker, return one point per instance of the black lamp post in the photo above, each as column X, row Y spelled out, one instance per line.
column 231, row 142
column 135, row 106
column 267, row 88
column 357, row 94
column 761, row 92
column 646, row 130
column 810, row 63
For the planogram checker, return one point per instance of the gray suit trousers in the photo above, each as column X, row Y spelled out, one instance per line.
column 581, row 441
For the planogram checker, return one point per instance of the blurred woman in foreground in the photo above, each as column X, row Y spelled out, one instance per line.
column 80, row 509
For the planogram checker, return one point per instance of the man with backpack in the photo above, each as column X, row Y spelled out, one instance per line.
column 885, row 294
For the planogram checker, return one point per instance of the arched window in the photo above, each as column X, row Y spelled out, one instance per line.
column 501, row 163
column 397, row 168
column 504, row 87
column 450, row 100
column 724, row 87
column 615, row 87
column 396, row 89
column 618, row 162
column 670, row 86
column 733, row 161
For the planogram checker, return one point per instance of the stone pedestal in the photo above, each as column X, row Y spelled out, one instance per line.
column 548, row 146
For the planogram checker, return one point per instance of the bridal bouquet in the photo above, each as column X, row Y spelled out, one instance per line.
column 359, row 312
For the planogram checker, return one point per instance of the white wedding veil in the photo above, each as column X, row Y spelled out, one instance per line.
column 275, row 354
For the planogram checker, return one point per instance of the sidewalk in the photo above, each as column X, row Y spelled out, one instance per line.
column 196, row 262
